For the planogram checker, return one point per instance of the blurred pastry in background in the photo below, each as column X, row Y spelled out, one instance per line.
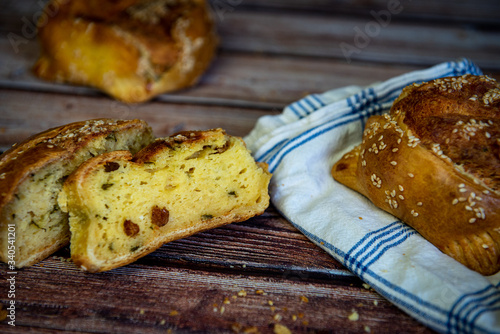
column 132, row 50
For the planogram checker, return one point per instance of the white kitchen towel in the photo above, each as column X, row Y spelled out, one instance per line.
column 301, row 145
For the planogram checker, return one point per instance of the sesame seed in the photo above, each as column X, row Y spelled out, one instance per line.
column 401, row 197
column 420, row 204
column 462, row 190
column 411, row 175
column 395, row 150
column 485, row 246
column 455, row 201
column 394, row 163
column 401, row 188
column 472, row 220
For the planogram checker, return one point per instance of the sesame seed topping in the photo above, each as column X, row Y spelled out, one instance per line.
column 401, row 188
column 420, row 204
column 485, row 246
column 455, row 201
column 472, row 220
column 376, row 181
column 394, row 163
column 411, row 175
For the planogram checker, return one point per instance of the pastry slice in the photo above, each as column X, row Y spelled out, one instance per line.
column 32, row 226
column 434, row 163
column 123, row 207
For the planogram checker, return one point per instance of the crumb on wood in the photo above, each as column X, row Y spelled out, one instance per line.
column 354, row 316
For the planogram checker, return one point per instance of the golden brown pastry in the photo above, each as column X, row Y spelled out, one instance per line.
column 32, row 173
column 131, row 49
column 122, row 207
column 434, row 163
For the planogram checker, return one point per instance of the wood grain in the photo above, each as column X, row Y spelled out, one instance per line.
column 481, row 11
column 227, row 290
column 131, row 300
column 352, row 39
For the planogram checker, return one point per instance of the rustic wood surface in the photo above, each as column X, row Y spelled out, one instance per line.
column 253, row 276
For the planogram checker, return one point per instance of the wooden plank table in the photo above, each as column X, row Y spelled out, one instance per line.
column 253, row 276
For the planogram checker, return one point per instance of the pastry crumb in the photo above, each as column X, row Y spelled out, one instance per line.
column 281, row 329
column 354, row 316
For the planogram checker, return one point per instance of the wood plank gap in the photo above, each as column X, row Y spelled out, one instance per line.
column 68, row 89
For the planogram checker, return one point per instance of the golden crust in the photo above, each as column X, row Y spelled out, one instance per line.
column 131, row 50
column 434, row 163
column 55, row 144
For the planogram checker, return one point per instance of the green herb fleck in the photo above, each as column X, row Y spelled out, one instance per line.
column 111, row 136
column 106, row 186
column 33, row 223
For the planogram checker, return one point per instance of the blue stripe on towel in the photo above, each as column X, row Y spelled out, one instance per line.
column 375, row 244
column 469, row 307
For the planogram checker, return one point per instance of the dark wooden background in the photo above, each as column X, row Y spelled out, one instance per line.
column 254, row 276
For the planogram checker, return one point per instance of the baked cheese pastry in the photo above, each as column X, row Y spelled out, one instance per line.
column 123, row 207
column 132, row 50
column 32, row 173
column 434, row 163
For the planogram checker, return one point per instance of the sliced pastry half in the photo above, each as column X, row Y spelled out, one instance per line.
column 123, row 207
